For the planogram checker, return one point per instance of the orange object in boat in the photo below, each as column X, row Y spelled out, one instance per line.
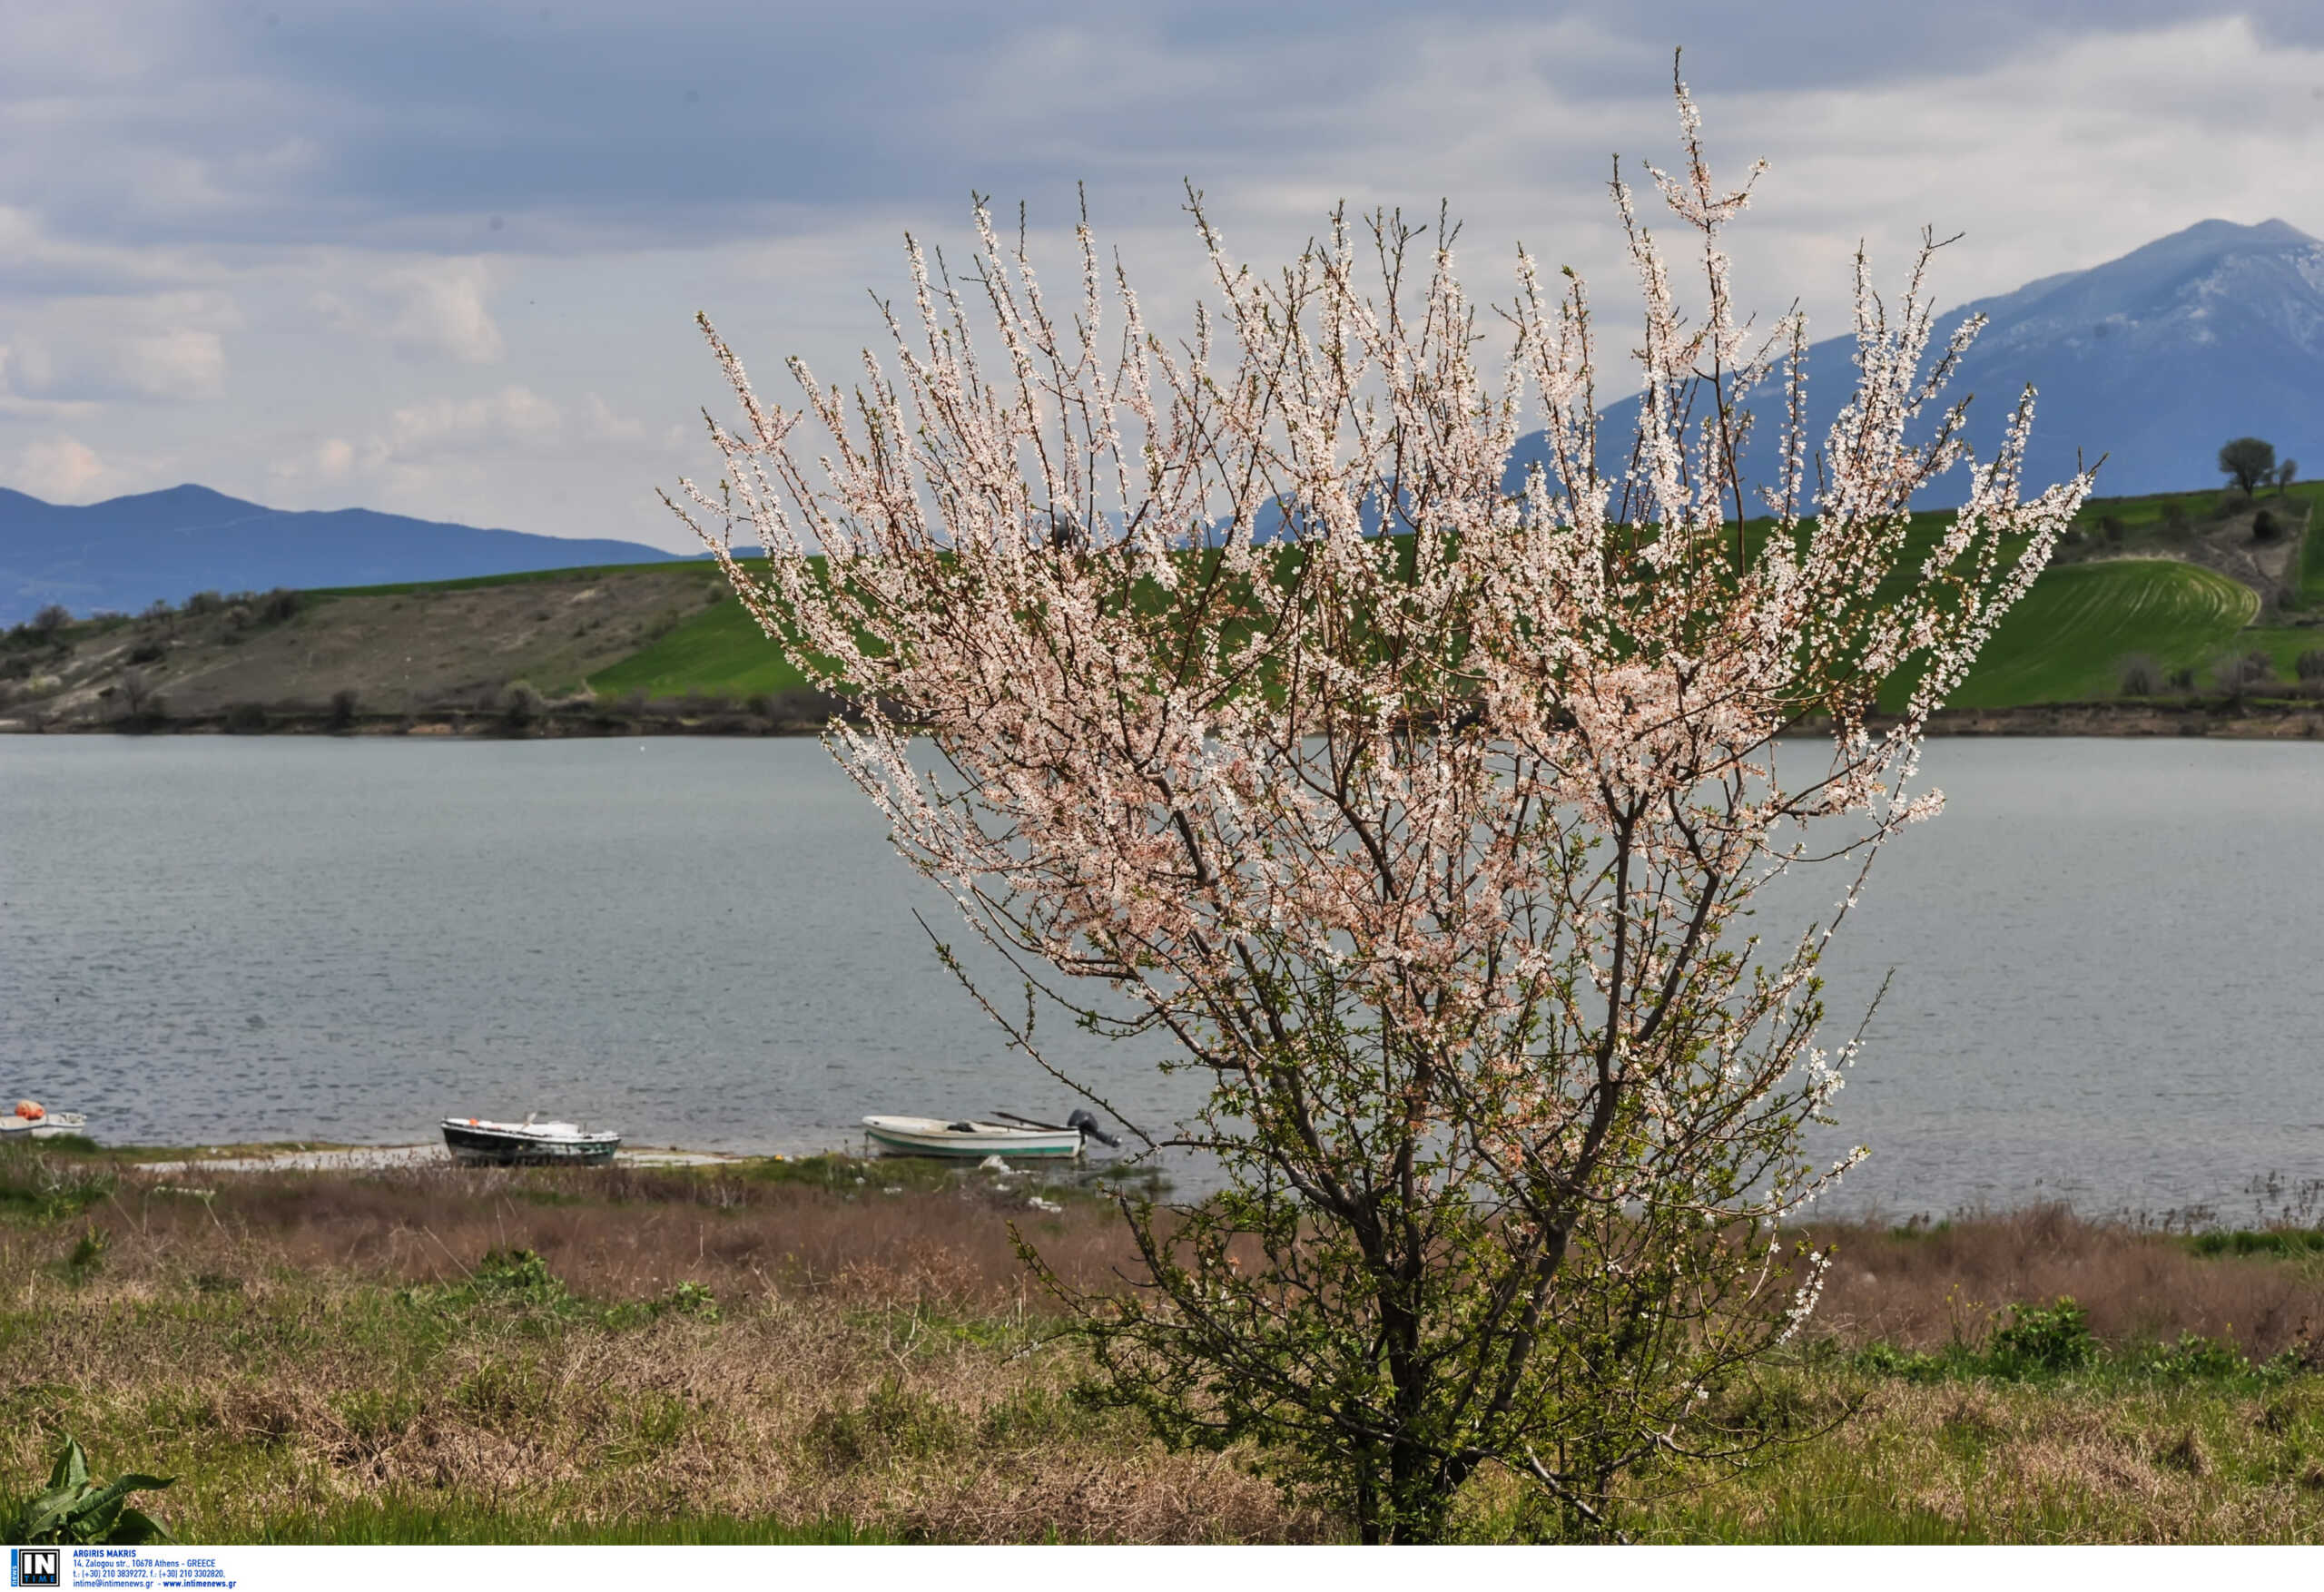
column 31, row 1110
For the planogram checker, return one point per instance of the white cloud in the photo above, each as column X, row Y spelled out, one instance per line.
column 180, row 364
column 427, row 308
column 513, row 417
column 605, row 425
column 63, row 470
column 443, row 311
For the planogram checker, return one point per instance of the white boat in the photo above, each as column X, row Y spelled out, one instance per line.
column 476, row 1142
column 34, row 1120
column 933, row 1135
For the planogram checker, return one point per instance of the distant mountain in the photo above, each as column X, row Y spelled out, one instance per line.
column 2153, row 359
column 124, row 553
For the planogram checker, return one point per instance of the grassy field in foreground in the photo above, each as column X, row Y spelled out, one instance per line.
column 839, row 1352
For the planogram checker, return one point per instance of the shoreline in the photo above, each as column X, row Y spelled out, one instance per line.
column 370, row 1157
column 2196, row 717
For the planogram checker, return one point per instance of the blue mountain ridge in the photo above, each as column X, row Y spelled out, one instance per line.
column 2152, row 360
column 127, row 552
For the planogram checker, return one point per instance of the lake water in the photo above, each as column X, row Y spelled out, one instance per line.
column 2105, row 953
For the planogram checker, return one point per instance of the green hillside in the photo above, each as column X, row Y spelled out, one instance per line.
column 2193, row 582
column 2066, row 640
column 719, row 652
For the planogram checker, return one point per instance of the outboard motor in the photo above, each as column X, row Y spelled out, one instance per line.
column 1087, row 1124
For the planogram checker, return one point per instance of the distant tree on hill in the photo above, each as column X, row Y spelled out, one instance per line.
column 2285, row 472
column 136, row 691
column 522, row 705
column 50, row 620
column 2250, row 460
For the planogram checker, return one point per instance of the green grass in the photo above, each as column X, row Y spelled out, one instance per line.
column 2282, row 643
column 2066, row 641
column 719, row 652
column 2311, row 552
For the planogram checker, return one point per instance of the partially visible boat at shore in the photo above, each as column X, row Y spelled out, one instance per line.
column 933, row 1135
column 36, row 1121
column 476, row 1142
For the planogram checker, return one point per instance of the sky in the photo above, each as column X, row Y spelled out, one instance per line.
column 444, row 258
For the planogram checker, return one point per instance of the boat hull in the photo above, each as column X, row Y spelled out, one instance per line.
column 927, row 1136
column 479, row 1145
column 56, row 1125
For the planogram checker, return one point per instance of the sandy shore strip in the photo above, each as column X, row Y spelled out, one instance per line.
column 381, row 1157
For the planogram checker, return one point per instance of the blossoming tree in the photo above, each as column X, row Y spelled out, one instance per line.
column 1414, row 802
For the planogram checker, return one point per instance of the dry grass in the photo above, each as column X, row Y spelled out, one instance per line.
column 1922, row 1289
column 328, row 1355
column 297, row 1344
column 621, row 1234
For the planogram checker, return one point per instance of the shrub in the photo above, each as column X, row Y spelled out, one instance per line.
column 34, row 1184
column 149, row 651
column 2181, row 679
column 278, row 605
column 2266, row 528
column 2239, row 673
column 51, row 620
column 521, row 706
column 2309, row 664
column 205, row 602
column 517, row 1272
column 2141, row 676
column 88, row 1253
column 2043, row 1338
column 344, row 702
column 2197, row 1357
column 246, row 718
column 689, row 1298
column 2111, row 528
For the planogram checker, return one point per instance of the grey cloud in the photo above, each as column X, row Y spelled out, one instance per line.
column 581, row 125
column 336, row 175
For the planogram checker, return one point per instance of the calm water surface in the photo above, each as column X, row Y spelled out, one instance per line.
column 2105, row 958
